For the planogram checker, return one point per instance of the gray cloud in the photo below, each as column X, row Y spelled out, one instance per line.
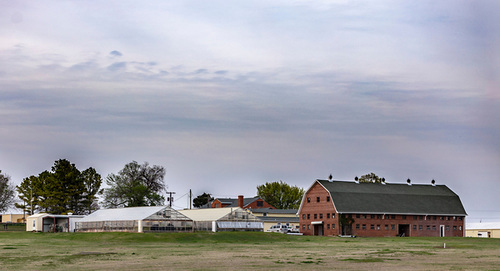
column 115, row 53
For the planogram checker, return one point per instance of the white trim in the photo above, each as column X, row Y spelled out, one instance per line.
column 316, row 222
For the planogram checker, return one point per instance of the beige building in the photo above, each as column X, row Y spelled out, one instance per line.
column 272, row 217
column 484, row 230
column 13, row 218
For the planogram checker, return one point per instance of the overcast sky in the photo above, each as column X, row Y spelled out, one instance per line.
column 227, row 95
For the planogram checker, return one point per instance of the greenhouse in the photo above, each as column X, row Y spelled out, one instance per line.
column 135, row 219
column 223, row 219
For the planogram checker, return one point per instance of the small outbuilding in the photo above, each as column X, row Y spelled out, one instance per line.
column 223, row 219
column 43, row 222
column 135, row 219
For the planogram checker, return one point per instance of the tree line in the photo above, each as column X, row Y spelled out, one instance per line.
column 65, row 189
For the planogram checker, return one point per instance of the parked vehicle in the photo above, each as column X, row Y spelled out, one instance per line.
column 282, row 228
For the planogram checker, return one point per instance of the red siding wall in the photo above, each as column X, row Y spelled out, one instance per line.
column 314, row 211
column 374, row 224
column 253, row 205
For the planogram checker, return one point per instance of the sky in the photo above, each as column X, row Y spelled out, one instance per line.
column 229, row 95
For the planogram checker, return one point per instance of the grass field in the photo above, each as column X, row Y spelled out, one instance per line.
column 240, row 251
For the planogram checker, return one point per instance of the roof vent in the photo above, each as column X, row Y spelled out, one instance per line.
column 408, row 181
column 356, row 180
column 433, row 182
column 330, row 178
column 383, row 181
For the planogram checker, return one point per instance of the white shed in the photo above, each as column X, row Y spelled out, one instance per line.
column 43, row 222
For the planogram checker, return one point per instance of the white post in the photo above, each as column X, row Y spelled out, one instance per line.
column 139, row 226
column 214, row 226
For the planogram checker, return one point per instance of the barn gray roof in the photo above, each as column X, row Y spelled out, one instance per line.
column 416, row 199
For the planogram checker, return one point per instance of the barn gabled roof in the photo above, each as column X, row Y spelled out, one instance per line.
column 390, row 198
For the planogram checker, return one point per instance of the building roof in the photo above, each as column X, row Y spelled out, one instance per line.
column 209, row 214
column 282, row 219
column 416, row 199
column 483, row 226
column 128, row 213
column 233, row 202
column 274, row 211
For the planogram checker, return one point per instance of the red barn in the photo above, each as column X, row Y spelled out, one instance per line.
column 380, row 209
column 244, row 203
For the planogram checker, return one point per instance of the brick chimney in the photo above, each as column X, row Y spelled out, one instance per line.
column 240, row 201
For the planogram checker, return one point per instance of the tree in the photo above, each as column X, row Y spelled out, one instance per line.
column 27, row 195
column 371, row 178
column 64, row 189
column 135, row 185
column 6, row 192
column 202, row 199
column 281, row 195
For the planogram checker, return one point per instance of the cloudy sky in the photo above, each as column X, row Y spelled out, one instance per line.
column 227, row 95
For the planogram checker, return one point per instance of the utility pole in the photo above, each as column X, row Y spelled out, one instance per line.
column 170, row 198
column 190, row 199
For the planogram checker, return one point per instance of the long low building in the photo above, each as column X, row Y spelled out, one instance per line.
column 484, row 230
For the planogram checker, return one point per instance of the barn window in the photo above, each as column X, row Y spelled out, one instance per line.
column 303, row 227
column 315, row 216
column 320, row 216
column 328, row 226
column 328, row 216
column 357, row 226
column 317, row 199
column 393, row 216
column 378, row 227
column 357, row 216
column 454, row 228
column 363, row 227
column 447, row 228
column 260, row 203
column 333, row 226
column 393, row 227
column 459, row 228
column 333, row 215
column 415, row 227
column 404, row 217
column 328, row 198
column 433, row 227
column 460, row 218
column 379, row 216
column 372, row 227
column 428, row 227
column 308, row 216
column 386, row 227
column 308, row 200
column 420, row 227
column 372, row 216
column 308, row 227
column 303, row 216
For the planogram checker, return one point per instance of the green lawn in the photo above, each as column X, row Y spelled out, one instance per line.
column 240, row 251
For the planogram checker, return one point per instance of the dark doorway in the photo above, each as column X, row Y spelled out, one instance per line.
column 318, row 229
column 347, row 229
column 403, row 230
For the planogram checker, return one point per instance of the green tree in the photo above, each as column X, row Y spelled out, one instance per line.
column 28, row 195
column 202, row 200
column 92, row 182
column 281, row 195
column 6, row 192
column 371, row 178
column 135, row 185
column 64, row 189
